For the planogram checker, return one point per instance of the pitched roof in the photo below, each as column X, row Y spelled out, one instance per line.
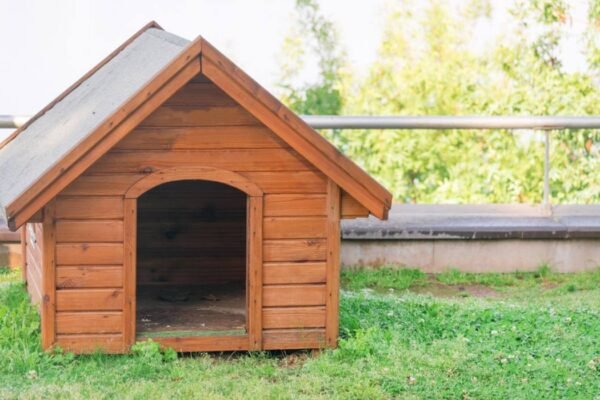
column 40, row 157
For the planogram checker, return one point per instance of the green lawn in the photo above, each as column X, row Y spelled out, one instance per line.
column 529, row 336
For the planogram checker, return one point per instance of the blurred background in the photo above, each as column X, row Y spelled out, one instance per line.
column 333, row 57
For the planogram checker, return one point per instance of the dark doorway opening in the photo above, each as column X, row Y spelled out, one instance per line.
column 191, row 260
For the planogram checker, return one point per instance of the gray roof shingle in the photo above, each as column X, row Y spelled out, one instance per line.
column 49, row 138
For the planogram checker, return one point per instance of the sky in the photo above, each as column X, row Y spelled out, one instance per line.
column 48, row 45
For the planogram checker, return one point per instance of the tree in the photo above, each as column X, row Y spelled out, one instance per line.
column 428, row 65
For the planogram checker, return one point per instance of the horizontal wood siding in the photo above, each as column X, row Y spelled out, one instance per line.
column 91, row 343
column 88, row 322
column 294, row 272
column 81, row 277
column 89, row 253
column 93, row 207
column 89, row 299
column 294, row 317
column 69, row 231
column 350, row 208
column 293, row 295
column 198, row 126
column 34, row 258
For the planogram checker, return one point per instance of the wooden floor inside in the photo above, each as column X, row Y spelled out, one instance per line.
column 164, row 311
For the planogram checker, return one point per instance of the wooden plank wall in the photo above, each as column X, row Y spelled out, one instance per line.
column 191, row 233
column 34, row 239
column 202, row 126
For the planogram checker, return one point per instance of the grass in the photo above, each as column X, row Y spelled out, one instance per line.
column 393, row 345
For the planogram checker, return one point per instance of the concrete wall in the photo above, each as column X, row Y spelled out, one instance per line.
column 473, row 255
column 476, row 238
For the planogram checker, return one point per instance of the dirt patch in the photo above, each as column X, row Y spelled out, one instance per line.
column 294, row 360
column 191, row 308
column 437, row 289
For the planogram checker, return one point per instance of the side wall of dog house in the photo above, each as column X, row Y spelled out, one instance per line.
column 32, row 260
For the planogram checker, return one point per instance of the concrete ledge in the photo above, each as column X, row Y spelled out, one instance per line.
column 473, row 255
column 476, row 238
column 478, row 222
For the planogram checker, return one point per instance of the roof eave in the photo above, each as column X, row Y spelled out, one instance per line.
column 53, row 181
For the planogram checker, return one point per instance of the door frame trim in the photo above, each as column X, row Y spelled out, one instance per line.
column 254, row 218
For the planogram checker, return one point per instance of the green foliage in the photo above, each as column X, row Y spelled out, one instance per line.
column 149, row 352
column 393, row 346
column 316, row 34
column 398, row 278
column 385, row 278
column 429, row 64
column 8, row 274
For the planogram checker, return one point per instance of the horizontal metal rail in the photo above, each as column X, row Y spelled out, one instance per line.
column 447, row 122
column 545, row 123
column 421, row 122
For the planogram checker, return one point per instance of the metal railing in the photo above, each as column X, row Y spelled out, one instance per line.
column 539, row 123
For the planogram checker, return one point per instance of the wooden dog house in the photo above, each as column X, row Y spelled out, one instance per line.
column 167, row 195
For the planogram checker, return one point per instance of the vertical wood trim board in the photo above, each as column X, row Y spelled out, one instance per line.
column 129, row 266
column 24, row 253
column 48, row 276
column 254, row 240
column 333, row 263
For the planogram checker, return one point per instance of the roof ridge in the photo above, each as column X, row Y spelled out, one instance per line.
column 60, row 97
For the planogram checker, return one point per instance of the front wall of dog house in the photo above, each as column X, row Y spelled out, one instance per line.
column 199, row 126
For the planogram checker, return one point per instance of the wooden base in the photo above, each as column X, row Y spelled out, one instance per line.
column 205, row 343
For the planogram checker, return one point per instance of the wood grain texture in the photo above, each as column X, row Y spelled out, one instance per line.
column 82, row 344
column 294, row 295
column 89, row 253
column 294, row 131
column 49, row 300
column 145, row 161
column 82, row 277
column 205, row 343
column 290, row 339
column 294, row 272
column 295, row 250
column 34, row 256
column 129, row 271
column 201, row 138
column 89, row 322
column 202, row 94
column 288, row 182
column 199, row 116
column 23, row 237
column 294, row 317
column 89, row 300
column 255, row 265
column 295, row 205
column 351, row 208
column 102, row 185
column 295, row 227
column 189, row 173
column 89, row 231
column 92, row 207
column 333, row 262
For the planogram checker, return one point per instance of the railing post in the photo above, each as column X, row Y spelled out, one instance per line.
column 546, row 193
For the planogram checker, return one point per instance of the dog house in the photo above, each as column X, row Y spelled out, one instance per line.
column 166, row 195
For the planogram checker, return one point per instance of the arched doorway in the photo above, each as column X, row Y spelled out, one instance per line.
column 207, row 179
column 191, row 260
